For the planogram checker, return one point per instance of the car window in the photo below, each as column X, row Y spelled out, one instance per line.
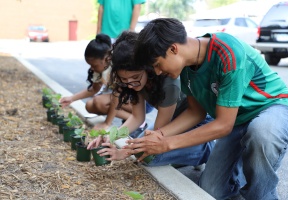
column 37, row 28
column 211, row 22
column 250, row 23
column 239, row 21
column 224, row 21
column 206, row 22
column 276, row 17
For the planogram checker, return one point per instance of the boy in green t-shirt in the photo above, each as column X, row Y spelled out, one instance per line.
column 228, row 79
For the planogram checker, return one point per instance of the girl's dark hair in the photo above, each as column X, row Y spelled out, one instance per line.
column 97, row 48
column 156, row 37
column 122, row 59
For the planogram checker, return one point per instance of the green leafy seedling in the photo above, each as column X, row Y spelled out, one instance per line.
column 123, row 132
column 95, row 133
column 53, row 102
column 74, row 121
column 80, row 132
column 47, row 91
column 134, row 195
column 116, row 134
column 113, row 134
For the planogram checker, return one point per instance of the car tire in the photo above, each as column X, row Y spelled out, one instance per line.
column 272, row 59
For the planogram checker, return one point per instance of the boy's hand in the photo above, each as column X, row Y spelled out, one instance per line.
column 151, row 144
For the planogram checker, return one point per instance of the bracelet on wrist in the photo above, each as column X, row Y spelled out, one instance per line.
column 160, row 131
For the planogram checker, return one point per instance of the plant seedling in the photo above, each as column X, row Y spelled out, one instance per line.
column 47, row 92
column 116, row 133
column 54, row 102
column 74, row 121
column 95, row 133
column 134, row 195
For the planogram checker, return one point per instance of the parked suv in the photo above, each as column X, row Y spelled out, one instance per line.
column 273, row 34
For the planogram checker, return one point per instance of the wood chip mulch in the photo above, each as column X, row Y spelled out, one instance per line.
column 35, row 162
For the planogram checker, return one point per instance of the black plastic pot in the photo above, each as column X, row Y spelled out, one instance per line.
column 62, row 123
column 82, row 153
column 74, row 139
column 147, row 159
column 55, row 118
column 67, row 132
column 99, row 160
column 45, row 100
column 49, row 114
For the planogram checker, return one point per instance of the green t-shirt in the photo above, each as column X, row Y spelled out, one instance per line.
column 117, row 15
column 234, row 74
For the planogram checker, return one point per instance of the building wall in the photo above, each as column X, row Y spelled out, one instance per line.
column 16, row 15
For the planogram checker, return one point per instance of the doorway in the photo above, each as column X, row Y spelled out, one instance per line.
column 73, row 30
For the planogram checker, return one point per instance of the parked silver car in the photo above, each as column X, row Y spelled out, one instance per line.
column 242, row 27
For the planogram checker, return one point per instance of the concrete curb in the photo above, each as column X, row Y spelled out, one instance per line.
column 171, row 179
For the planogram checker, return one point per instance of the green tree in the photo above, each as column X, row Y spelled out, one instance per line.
column 218, row 3
column 95, row 11
column 179, row 9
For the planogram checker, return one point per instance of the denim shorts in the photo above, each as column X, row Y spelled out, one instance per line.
column 149, row 108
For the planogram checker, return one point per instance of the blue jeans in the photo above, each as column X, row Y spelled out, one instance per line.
column 246, row 160
column 193, row 156
column 149, row 108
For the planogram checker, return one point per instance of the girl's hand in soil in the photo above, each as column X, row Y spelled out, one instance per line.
column 113, row 151
column 101, row 126
column 151, row 144
column 97, row 142
column 66, row 101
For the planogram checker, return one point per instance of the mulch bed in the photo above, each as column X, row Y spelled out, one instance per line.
column 35, row 162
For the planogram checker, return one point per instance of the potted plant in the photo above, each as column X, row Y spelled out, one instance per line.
column 82, row 153
column 99, row 160
column 53, row 106
column 46, row 93
column 62, row 123
column 114, row 134
column 74, row 122
column 54, row 112
column 78, row 135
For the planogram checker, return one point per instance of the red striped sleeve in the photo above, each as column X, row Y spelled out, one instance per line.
column 224, row 52
column 257, row 89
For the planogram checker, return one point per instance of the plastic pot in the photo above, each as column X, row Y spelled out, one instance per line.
column 74, row 139
column 82, row 153
column 147, row 159
column 67, row 132
column 55, row 118
column 62, row 123
column 45, row 100
column 100, row 160
column 49, row 114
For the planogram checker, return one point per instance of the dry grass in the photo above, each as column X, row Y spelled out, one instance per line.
column 35, row 163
